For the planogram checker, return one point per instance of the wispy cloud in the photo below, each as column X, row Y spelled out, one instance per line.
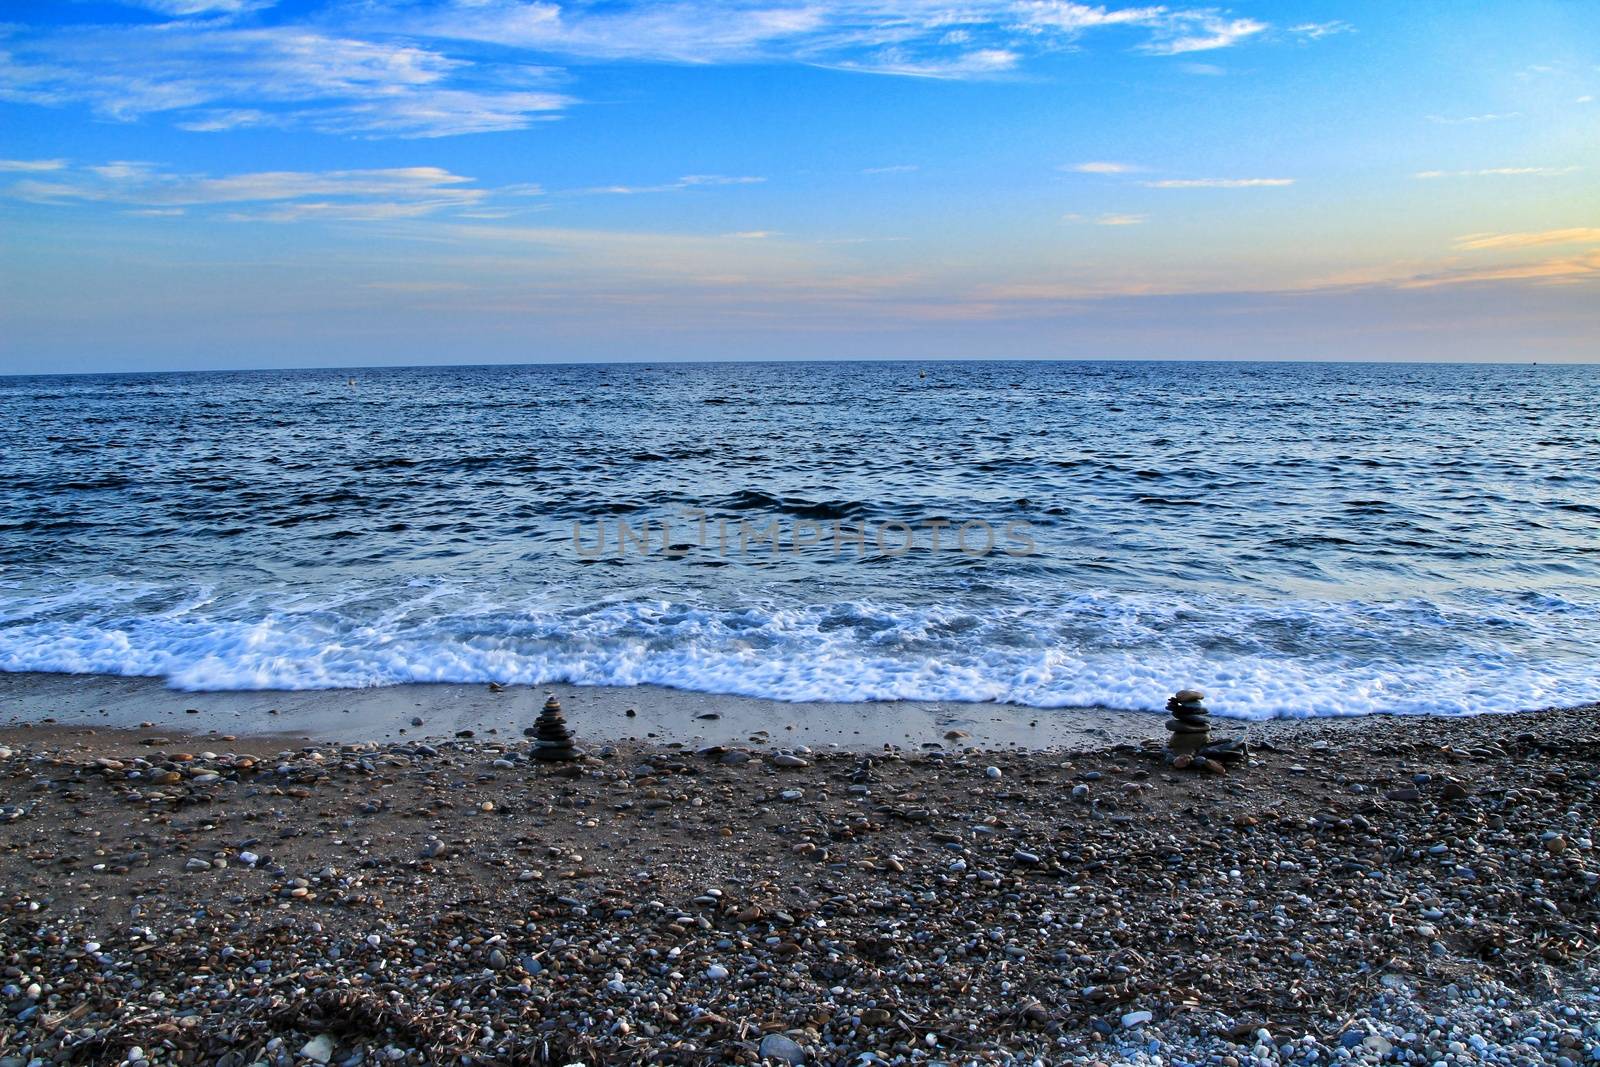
column 899, row 168
column 1314, row 31
column 31, row 166
column 1203, row 33
column 211, row 77
column 1100, row 168
column 900, row 37
column 1559, row 270
column 983, row 61
column 187, row 8
column 688, row 181
column 272, row 196
column 1576, row 235
column 399, row 68
column 1469, row 120
column 1216, row 183
column 1120, row 220
column 1494, row 172
column 923, row 38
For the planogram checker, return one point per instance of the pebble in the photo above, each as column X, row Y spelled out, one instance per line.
column 782, row 1049
column 903, row 914
column 319, row 1049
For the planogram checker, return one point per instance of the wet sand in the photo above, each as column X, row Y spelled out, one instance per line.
column 662, row 715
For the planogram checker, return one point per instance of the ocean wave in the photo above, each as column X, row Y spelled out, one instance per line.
column 1121, row 651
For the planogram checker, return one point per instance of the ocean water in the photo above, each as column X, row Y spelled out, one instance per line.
column 1299, row 540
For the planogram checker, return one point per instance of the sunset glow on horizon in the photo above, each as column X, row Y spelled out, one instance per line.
column 244, row 183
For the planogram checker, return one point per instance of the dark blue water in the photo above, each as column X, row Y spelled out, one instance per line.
column 1303, row 539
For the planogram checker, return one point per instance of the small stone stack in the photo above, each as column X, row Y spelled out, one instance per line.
column 550, row 729
column 1190, row 724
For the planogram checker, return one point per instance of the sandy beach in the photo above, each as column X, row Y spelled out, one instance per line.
column 660, row 715
column 1374, row 890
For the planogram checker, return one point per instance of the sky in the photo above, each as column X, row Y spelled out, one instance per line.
column 258, row 183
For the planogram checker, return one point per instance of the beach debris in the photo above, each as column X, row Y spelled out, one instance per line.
column 550, row 731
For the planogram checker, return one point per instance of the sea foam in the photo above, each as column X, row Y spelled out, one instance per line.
column 1101, row 649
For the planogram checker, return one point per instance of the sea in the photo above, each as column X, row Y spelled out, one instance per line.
column 1296, row 539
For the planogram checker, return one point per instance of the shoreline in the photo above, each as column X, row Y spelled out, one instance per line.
column 1355, row 891
column 661, row 715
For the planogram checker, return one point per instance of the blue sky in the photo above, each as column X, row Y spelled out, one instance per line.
column 240, row 183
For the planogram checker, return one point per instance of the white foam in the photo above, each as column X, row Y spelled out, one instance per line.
column 1097, row 649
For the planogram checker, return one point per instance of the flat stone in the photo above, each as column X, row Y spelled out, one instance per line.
column 781, row 1048
column 319, row 1049
column 1182, row 726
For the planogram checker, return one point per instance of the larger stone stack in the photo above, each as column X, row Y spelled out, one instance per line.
column 552, row 741
column 1190, row 724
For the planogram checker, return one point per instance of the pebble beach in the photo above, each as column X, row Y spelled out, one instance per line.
column 1388, row 890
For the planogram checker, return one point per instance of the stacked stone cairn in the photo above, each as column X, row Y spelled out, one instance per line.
column 1190, row 743
column 1190, row 724
column 552, row 741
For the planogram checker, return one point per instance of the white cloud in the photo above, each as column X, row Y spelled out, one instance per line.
column 185, row 8
column 397, row 68
column 923, row 38
column 978, row 63
column 899, row 168
column 212, row 78
column 688, row 181
column 1468, row 120
column 1493, row 172
column 1100, row 168
column 32, row 165
column 1120, row 220
column 1216, row 183
column 1315, row 31
column 1073, row 18
column 281, row 196
column 1203, row 33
